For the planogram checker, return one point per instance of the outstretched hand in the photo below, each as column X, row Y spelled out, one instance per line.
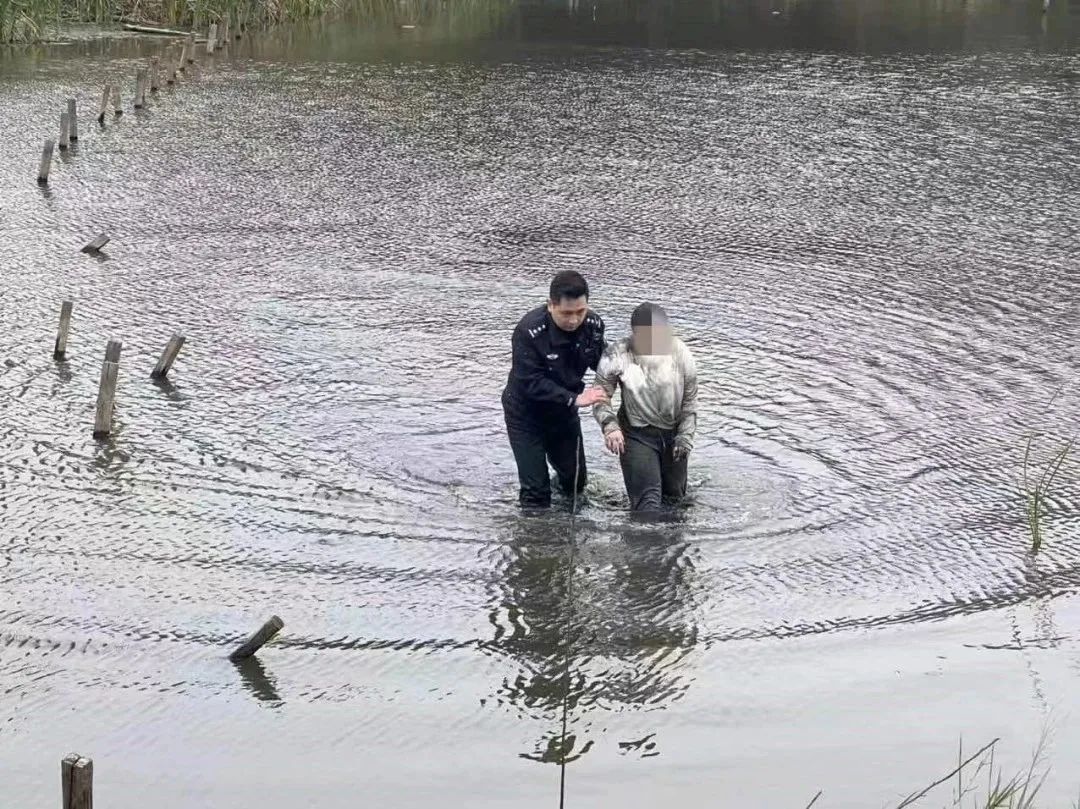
column 615, row 442
column 591, row 396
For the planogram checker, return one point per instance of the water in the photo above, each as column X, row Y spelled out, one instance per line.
column 873, row 257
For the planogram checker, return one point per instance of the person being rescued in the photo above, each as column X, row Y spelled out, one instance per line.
column 653, row 432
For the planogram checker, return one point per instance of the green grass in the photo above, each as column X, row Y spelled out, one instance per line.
column 1035, row 490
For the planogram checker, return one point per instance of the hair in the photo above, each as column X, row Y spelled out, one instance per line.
column 649, row 314
column 568, row 284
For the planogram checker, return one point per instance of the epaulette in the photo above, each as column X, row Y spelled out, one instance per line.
column 535, row 332
column 594, row 321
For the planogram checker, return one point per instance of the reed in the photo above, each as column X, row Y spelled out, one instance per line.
column 24, row 21
column 1035, row 488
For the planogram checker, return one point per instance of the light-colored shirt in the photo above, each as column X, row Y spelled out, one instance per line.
column 658, row 390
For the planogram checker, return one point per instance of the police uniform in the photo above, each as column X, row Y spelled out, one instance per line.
column 546, row 377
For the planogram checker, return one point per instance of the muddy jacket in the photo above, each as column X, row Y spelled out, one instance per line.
column 657, row 390
column 549, row 364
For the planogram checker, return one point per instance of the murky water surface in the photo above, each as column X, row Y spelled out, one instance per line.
column 873, row 257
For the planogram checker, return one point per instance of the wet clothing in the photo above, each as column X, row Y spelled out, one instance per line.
column 534, row 445
column 658, row 412
column 539, row 401
column 652, row 476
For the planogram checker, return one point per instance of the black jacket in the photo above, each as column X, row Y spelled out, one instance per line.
column 549, row 364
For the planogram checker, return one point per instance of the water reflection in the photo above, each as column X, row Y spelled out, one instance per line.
column 258, row 682
column 613, row 636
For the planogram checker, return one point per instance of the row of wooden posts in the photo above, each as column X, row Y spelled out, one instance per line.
column 110, row 368
column 77, row 772
column 146, row 79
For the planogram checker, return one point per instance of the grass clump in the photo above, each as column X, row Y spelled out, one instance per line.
column 1035, row 489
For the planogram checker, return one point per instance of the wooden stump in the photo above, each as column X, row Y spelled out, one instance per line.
column 77, row 782
column 256, row 641
column 65, row 124
column 104, row 104
column 118, row 106
column 168, row 357
column 191, row 49
column 211, row 39
column 95, row 246
column 46, row 163
column 110, row 370
column 153, row 74
column 60, row 348
column 73, row 120
column 140, row 89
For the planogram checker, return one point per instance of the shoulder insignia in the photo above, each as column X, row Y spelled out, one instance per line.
column 537, row 330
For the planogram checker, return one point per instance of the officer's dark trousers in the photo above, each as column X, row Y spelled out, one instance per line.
column 652, row 475
column 535, row 443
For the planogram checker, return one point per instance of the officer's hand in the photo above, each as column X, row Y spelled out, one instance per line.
column 615, row 442
column 591, row 396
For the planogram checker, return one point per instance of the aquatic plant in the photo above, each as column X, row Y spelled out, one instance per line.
column 1018, row 792
column 1035, row 492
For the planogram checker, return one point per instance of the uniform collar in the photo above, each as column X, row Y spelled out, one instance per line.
column 558, row 336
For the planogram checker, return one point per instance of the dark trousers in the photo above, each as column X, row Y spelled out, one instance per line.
column 652, row 475
column 535, row 442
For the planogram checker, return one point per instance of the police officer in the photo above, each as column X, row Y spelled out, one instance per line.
column 553, row 346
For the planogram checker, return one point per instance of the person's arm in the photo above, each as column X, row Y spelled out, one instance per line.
column 687, row 426
column 608, row 371
column 532, row 371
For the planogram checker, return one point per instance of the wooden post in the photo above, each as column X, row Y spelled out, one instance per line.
column 104, row 104
column 225, row 31
column 73, row 120
column 168, row 357
column 46, row 163
column 140, row 89
column 65, row 123
column 95, row 246
column 60, row 349
column 153, row 74
column 77, row 782
column 118, row 106
column 256, row 641
column 211, row 38
column 191, row 49
column 107, row 389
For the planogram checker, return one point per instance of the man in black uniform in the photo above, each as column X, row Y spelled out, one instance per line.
column 553, row 346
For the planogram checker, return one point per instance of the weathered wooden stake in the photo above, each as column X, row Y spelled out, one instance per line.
column 256, row 641
column 107, row 389
column 168, row 357
column 77, row 782
column 140, row 89
column 46, row 163
column 153, row 74
column 118, row 105
column 73, row 120
column 65, row 124
column 104, row 105
column 95, row 246
column 60, row 349
column 225, row 31
column 211, row 38
column 191, row 49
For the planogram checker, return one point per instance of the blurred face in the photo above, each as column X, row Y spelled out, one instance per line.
column 651, row 340
column 569, row 313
